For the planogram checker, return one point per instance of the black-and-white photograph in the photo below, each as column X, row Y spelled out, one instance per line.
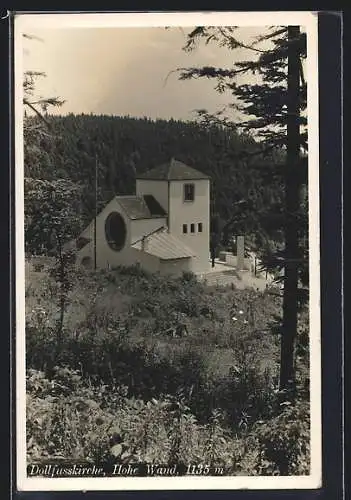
column 167, row 280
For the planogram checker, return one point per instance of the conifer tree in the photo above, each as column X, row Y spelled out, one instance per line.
column 271, row 109
column 35, row 130
column 52, row 204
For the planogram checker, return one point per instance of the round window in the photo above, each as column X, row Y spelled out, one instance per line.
column 115, row 231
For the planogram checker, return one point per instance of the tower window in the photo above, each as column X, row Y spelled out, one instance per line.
column 189, row 192
column 185, row 228
column 192, row 228
column 199, row 227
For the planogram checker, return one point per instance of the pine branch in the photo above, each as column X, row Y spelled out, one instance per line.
column 211, row 72
column 32, row 37
column 33, row 108
column 269, row 36
column 303, row 81
column 252, row 154
column 234, row 43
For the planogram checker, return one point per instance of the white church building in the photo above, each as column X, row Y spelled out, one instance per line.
column 164, row 227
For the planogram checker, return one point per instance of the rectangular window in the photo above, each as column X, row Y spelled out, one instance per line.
column 185, row 228
column 199, row 227
column 189, row 192
column 192, row 228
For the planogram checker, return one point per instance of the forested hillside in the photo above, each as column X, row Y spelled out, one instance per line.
column 121, row 146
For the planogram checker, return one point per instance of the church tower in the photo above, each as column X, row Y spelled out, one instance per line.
column 184, row 193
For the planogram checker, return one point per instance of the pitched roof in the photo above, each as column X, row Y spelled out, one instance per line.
column 165, row 246
column 173, row 170
column 153, row 205
column 141, row 207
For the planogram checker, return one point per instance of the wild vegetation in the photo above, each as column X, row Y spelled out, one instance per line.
column 160, row 370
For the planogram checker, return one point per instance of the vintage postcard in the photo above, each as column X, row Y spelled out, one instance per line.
column 167, row 273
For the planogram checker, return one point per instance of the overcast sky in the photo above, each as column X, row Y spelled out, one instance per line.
column 123, row 71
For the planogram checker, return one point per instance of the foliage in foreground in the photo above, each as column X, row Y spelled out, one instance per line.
column 129, row 385
column 156, row 335
column 67, row 418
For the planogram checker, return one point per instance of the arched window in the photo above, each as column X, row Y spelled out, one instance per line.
column 115, row 231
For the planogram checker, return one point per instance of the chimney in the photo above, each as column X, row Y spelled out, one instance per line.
column 240, row 252
column 144, row 244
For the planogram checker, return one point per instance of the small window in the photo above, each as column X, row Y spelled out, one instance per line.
column 199, row 227
column 185, row 228
column 189, row 192
column 192, row 228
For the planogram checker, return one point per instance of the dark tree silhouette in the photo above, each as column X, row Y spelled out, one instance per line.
column 271, row 107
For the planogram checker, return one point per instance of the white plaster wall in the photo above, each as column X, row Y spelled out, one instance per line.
column 159, row 190
column 148, row 262
column 112, row 206
column 180, row 213
column 175, row 267
column 105, row 256
column 233, row 260
column 108, row 258
column 142, row 227
column 192, row 212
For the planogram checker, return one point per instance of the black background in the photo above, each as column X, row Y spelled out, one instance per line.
column 331, row 175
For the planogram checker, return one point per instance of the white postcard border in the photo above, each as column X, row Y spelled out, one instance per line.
column 23, row 24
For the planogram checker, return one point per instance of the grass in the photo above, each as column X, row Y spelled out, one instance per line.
column 153, row 308
column 135, row 338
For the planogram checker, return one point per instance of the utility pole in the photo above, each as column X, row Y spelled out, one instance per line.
column 292, row 188
column 95, row 215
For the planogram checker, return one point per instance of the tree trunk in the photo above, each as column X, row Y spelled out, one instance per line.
column 95, row 212
column 292, row 188
column 59, row 334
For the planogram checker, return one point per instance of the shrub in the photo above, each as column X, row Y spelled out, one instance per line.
column 189, row 276
column 284, row 440
column 38, row 267
column 85, row 425
column 134, row 270
column 211, row 385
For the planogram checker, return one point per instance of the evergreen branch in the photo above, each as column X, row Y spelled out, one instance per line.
column 33, row 74
column 252, row 154
column 211, row 72
column 33, row 108
column 303, row 81
column 272, row 35
column 50, row 101
column 32, row 37
column 234, row 43
column 169, row 74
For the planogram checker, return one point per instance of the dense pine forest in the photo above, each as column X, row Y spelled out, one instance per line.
column 246, row 191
